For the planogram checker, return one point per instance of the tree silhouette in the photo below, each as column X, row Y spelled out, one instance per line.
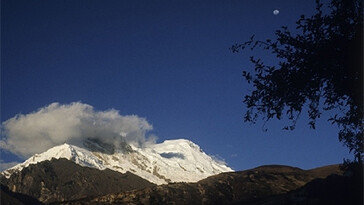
column 320, row 66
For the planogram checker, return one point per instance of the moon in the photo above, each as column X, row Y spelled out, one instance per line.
column 276, row 12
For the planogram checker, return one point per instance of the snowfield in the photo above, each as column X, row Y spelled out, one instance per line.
column 171, row 161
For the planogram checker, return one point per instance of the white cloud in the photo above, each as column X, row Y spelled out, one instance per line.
column 56, row 124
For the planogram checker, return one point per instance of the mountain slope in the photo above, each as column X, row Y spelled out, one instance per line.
column 8, row 197
column 171, row 161
column 62, row 179
column 244, row 187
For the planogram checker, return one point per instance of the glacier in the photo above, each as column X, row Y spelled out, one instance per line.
column 177, row 160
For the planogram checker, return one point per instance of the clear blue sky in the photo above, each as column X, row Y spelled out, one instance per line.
column 168, row 61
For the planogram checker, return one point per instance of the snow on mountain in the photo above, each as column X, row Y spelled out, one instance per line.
column 171, row 161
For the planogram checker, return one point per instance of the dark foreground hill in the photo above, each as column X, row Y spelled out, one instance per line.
column 332, row 190
column 61, row 179
column 64, row 182
column 262, row 185
column 11, row 198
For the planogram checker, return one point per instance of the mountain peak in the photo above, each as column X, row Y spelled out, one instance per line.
column 171, row 161
column 178, row 141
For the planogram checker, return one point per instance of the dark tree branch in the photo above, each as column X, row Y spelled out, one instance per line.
column 321, row 63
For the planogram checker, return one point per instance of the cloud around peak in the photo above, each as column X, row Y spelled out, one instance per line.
column 55, row 124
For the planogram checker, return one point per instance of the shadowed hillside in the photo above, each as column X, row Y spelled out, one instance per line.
column 60, row 180
column 10, row 198
column 247, row 187
column 64, row 182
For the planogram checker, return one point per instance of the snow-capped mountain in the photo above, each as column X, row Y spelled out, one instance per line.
column 171, row 161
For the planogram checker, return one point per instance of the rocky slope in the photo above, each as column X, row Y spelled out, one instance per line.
column 333, row 190
column 171, row 161
column 62, row 179
column 64, row 182
column 244, row 187
column 8, row 197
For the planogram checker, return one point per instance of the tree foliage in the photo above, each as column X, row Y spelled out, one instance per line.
column 320, row 66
